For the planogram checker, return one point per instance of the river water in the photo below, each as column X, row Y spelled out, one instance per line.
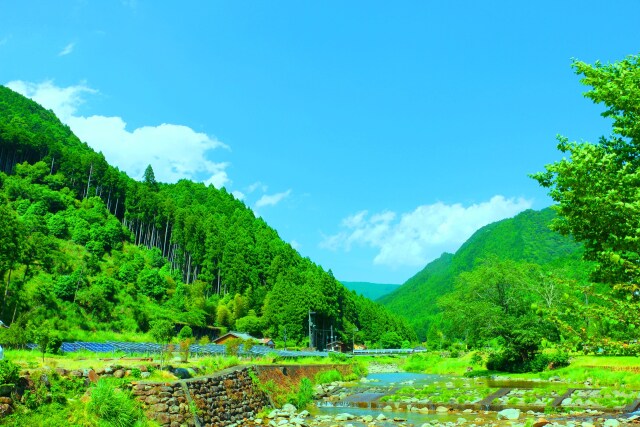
column 380, row 384
column 377, row 385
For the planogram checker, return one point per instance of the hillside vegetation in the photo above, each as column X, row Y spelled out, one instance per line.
column 565, row 277
column 524, row 238
column 86, row 251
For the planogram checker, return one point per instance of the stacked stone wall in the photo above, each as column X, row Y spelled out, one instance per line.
column 167, row 403
column 225, row 399
column 228, row 398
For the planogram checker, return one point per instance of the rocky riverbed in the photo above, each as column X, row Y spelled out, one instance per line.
column 289, row 416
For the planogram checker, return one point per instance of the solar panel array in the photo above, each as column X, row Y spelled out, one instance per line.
column 197, row 349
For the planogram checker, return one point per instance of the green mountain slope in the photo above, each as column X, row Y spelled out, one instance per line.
column 373, row 291
column 84, row 248
column 525, row 237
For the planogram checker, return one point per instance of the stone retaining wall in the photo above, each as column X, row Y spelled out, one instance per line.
column 227, row 398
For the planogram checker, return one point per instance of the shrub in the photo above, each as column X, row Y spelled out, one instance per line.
column 113, row 407
column 359, row 369
column 476, row 358
column 508, row 361
column 304, row 395
column 337, row 357
column 9, row 372
column 233, row 346
column 328, row 377
column 545, row 361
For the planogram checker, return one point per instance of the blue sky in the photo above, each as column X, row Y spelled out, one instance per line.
column 371, row 135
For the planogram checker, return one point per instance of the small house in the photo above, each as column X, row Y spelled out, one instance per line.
column 233, row 336
column 335, row 346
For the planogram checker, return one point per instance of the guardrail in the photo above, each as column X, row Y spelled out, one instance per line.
column 387, row 351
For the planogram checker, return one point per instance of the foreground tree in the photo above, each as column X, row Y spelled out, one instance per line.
column 597, row 187
column 497, row 300
column 162, row 331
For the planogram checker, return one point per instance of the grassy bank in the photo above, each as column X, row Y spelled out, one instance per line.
column 595, row 371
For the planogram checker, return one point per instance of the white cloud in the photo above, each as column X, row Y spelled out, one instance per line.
column 174, row 151
column 420, row 236
column 257, row 186
column 272, row 199
column 67, row 49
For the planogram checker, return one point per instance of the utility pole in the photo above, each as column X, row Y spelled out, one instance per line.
column 353, row 344
column 310, row 324
column 284, row 335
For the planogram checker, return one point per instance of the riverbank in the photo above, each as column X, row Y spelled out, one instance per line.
column 358, row 417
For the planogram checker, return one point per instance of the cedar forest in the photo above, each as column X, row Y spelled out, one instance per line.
column 84, row 248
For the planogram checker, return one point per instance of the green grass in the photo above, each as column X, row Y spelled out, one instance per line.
column 114, row 407
column 455, row 390
column 433, row 363
column 593, row 369
column 328, row 377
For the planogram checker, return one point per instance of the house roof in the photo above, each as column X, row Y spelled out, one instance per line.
column 239, row 335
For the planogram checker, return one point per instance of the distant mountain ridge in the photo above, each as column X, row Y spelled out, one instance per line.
column 373, row 291
column 525, row 237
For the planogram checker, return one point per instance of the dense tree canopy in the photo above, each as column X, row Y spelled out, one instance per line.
column 597, row 188
column 524, row 238
column 87, row 246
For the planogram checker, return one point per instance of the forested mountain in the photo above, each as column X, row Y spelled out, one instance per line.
column 373, row 291
column 526, row 237
column 86, row 248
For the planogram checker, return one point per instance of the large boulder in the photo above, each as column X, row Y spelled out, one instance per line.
column 509, row 414
column 611, row 422
column 289, row 408
column 344, row 417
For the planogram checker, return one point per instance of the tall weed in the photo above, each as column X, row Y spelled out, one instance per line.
column 113, row 407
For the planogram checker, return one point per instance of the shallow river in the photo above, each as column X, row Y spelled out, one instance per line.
column 385, row 383
column 378, row 385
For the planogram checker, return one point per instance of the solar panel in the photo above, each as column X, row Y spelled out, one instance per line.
column 206, row 349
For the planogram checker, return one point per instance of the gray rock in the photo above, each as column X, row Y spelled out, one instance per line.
column 344, row 417
column 611, row 422
column 509, row 414
column 288, row 407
